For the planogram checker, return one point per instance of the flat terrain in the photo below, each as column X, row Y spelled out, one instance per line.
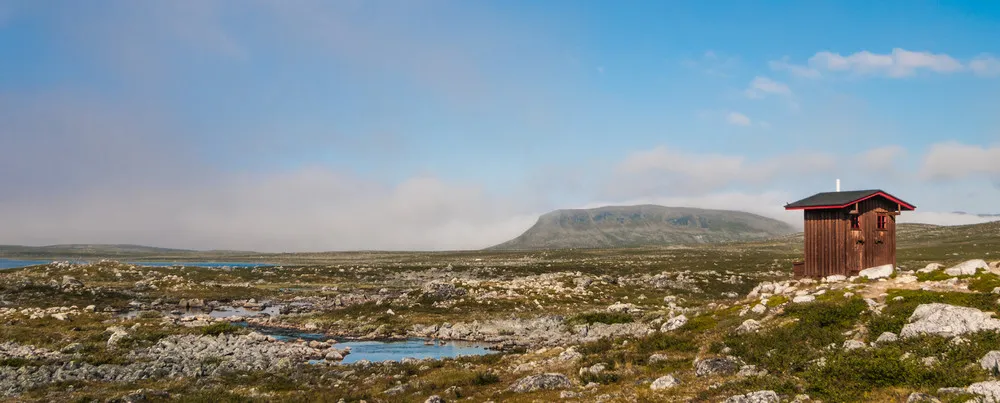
column 605, row 322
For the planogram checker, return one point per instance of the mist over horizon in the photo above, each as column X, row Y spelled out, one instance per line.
column 330, row 126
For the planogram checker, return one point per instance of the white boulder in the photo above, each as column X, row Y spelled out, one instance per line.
column 967, row 268
column 947, row 321
column 748, row 326
column 760, row 396
column 877, row 272
column 930, row 268
column 988, row 392
column 803, row 298
column 664, row 382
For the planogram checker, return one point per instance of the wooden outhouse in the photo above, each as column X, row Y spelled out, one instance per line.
column 849, row 231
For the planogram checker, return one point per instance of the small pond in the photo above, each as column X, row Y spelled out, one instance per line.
column 218, row 312
column 394, row 350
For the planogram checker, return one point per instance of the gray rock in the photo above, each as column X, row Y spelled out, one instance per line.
column 71, row 283
column 664, row 382
column 434, row 399
column 548, row 381
column 760, row 396
column 991, row 362
column 717, row 366
column 748, row 326
column 947, row 320
column 674, row 323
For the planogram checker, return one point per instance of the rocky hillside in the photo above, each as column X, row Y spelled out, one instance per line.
column 628, row 226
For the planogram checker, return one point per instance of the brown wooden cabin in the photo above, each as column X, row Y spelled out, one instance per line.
column 846, row 232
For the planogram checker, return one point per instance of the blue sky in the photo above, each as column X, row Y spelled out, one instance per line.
column 317, row 125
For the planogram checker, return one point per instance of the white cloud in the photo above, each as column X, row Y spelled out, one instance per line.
column 881, row 159
column 952, row 160
column 985, row 66
column 929, row 217
column 898, row 63
column 761, row 86
column 795, row 70
column 662, row 170
column 738, row 119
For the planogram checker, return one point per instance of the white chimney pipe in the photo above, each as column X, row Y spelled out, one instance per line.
column 838, row 185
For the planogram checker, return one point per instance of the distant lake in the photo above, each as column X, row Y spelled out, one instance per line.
column 16, row 263
column 13, row 263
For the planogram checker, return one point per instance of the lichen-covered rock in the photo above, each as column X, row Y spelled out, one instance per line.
column 988, row 392
column 947, row 321
column 967, row 268
column 533, row 383
column 664, row 382
column 991, row 362
column 760, row 396
column 717, row 366
column 434, row 399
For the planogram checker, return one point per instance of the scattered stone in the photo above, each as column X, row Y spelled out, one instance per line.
column 570, row 354
column 674, row 323
column 568, row 394
column 748, row 326
column 434, row 399
column 916, row 397
column 717, row 366
column 886, row 337
column 931, row 267
column 947, row 320
column 442, row 290
column 836, row 278
column 623, row 308
column 803, row 298
column 929, row 361
column 751, row 370
column 759, row 309
column 658, row 358
column 967, row 268
column 664, row 382
column 877, row 272
column 548, row 381
column 761, row 396
column 906, row 279
column 853, row 344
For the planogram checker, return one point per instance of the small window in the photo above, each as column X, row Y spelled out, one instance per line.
column 882, row 219
column 855, row 222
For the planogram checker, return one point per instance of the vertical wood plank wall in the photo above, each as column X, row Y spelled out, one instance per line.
column 831, row 246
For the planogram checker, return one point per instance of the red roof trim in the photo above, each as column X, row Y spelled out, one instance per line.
column 883, row 194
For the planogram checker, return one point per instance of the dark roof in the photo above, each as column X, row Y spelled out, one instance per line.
column 843, row 199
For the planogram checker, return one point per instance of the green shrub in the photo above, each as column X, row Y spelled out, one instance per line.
column 485, row 378
column 218, row 328
column 602, row 378
column 596, row 347
column 665, row 342
column 789, row 348
column 985, row 282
